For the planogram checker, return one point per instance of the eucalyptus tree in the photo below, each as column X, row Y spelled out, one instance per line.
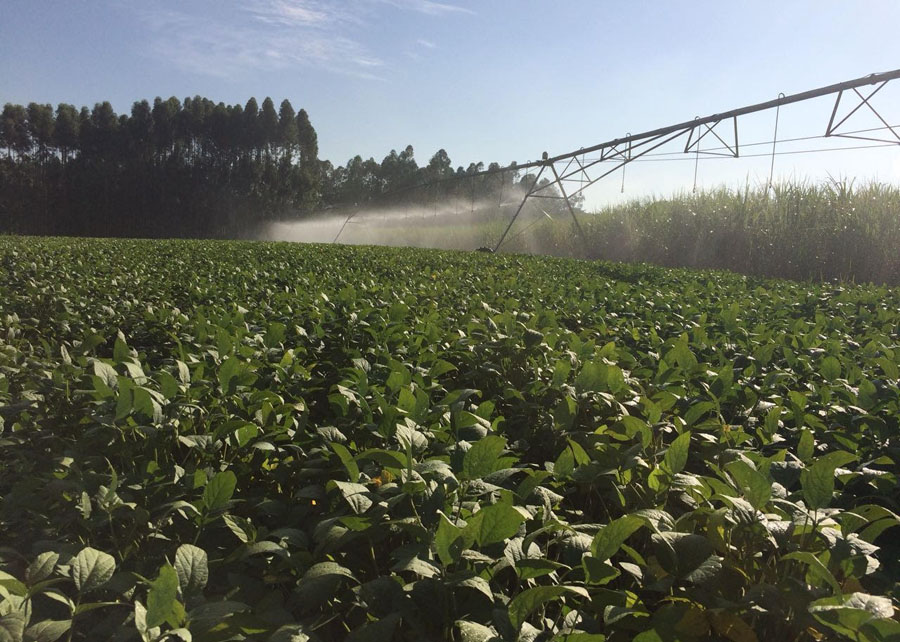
column 65, row 130
column 250, row 127
column 14, row 130
column 40, row 129
column 287, row 129
column 140, row 129
column 268, row 126
column 308, row 140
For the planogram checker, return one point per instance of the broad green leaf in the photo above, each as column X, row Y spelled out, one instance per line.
column 184, row 373
column 615, row 380
column 564, row 413
column 275, row 334
column 529, row 600
column 592, row 378
column 378, row 631
column 219, row 490
column 11, row 584
column 168, row 385
column 321, row 582
column 245, row 433
column 527, row 568
column 41, row 568
column 681, row 553
column 106, row 373
column 682, row 355
column 697, row 411
column 572, row 456
column 754, row 486
column 140, row 620
column 889, row 367
column 216, row 611
column 47, row 630
column 136, row 372
column 449, row 541
column 291, row 633
column 635, row 426
column 867, row 396
column 481, row 458
column 91, row 569
column 597, row 572
column 532, row 481
column 441, row 367
column 806, row 445
column 417, row 565
column 357, row 495
column 234, row 372
column 146, row 407
column 162, row 599
column 475, row 632
column 326, row 569
column 831, row 368
column 192, row 568
column 346, row 459
column 859, row 616
column 561, row 372
column 817, row 482
column 816, row 568
column 386, row 458
column 121, row 352
column 124, row 400
column 655, row 519
column 12, row 626
column 875, row 605
column 494, row 523
column 479, row 584
column 677, row 454
column 610, row 538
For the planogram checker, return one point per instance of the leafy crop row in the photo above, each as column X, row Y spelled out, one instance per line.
column 226, row 441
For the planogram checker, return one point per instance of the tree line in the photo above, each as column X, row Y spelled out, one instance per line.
column 196, row 168
column 173, row 168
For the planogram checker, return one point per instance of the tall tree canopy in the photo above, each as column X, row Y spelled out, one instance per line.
column 173, row 168
column 198, row 168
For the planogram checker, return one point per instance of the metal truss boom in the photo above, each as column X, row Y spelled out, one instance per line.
column 631, row 147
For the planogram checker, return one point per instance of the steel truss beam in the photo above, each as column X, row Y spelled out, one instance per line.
column 629, row 148
column 864, row 100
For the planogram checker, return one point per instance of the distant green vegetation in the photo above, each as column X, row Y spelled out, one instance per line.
column 197, row 168
column 216, row 441
column 796, row 230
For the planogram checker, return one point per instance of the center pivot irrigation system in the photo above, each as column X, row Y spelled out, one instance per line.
column 568, row 175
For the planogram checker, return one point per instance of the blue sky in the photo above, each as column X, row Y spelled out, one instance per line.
column 500, row 80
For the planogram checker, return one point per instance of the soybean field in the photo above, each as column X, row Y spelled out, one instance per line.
column 210, row 441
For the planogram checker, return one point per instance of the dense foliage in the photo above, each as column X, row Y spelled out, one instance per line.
column 168, row 169
column 795, row 230
column 230, row 441
column 197, row 169
column 798, row 230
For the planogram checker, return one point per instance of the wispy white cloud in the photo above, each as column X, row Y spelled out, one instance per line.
column 284, row 34
column 274, row 35
column 290, row 14
column 297, row 13
column 428, row 6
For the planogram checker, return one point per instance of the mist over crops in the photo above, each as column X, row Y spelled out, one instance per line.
column 445, row 224
column 799, row 229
